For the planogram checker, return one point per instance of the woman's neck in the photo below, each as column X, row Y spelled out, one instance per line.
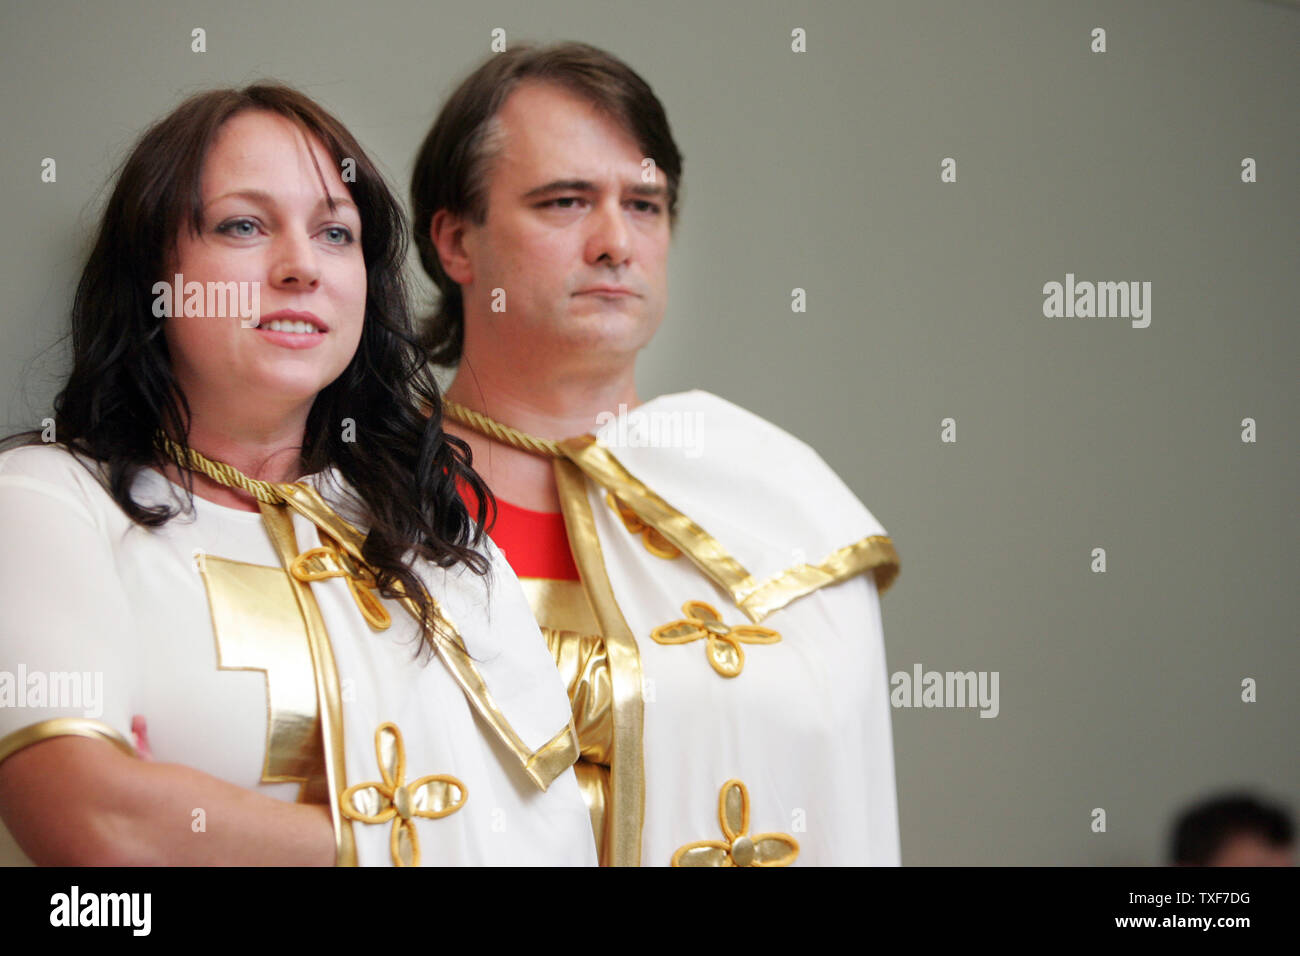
column 264, row 454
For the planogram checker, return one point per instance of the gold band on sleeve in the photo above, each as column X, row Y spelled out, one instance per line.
column 627, row 773
column 24, row 737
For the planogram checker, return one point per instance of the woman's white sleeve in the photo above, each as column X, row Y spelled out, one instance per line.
column 67, row 655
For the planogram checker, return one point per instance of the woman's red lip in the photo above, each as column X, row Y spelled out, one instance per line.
column 293, row 340
column 289, row 315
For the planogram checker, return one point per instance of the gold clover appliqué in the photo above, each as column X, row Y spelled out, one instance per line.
column 432, row 797
column 331, row 561
column 653, row 540
column 739, row 848
column 723, row 640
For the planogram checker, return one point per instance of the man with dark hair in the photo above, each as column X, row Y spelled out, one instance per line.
column 707, row 585
column 1233, row 830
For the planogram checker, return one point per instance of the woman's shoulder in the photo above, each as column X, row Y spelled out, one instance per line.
column 56, row 471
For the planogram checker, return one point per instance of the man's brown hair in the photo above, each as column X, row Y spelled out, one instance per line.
column 451, row 169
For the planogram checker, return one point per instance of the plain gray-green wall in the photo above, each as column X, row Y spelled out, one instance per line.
column 820, row 170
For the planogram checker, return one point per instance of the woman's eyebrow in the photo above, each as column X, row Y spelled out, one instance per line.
column 266, row 199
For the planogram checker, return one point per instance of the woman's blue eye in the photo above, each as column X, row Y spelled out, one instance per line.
column 232, row 227
column 345, row 235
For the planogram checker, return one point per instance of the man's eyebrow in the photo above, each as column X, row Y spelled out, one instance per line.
column 561, row 185
column 266, row 199
column 587, row 186
column 647, row 189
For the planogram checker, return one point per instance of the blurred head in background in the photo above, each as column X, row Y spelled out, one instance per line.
column 1233, row 830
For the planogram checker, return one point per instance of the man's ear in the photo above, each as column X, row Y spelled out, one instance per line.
column 447, row 233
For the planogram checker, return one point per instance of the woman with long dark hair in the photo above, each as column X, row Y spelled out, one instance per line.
column 247, row 617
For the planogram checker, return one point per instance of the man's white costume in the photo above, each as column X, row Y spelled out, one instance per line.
column 724, row 649
column 257, row 652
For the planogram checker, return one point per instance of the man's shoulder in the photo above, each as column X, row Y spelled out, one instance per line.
column 703, row 402
column 724, row 422
column 754, row 486
column 710, row 426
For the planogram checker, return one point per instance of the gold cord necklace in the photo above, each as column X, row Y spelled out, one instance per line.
column 503, row 433
column 219, row 471
column 314, row 564
column 655, row 542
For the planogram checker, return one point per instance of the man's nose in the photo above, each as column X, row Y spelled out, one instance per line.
column 295, row 264
column 610, row 240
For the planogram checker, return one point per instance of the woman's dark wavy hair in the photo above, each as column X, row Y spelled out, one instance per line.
column 121, row 388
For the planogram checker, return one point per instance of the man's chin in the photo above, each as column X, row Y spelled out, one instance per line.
column 612, row 329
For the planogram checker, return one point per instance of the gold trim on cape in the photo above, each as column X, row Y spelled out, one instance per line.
column 757, row 599
column 562, row 605
column 258, row 626
column 542, row 765
column 626, row 809
column 873, row 553
column 279, row 526
column 24, row 737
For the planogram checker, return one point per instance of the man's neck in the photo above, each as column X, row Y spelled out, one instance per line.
column 555, row 407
